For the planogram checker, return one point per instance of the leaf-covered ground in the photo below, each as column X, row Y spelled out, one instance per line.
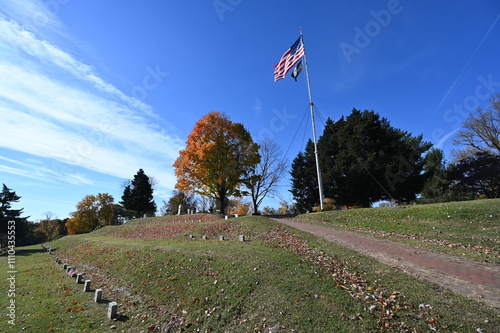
column 469, row 228
column 167, row 277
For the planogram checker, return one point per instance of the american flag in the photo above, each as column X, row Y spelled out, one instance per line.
column 289, row 59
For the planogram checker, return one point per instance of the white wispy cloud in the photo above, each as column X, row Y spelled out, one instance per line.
column 38, row 171
column 34, row 15
column 55, row 106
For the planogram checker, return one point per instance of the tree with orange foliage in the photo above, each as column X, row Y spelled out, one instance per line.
column 239, row 206
column 92, row 211
column 218, row 158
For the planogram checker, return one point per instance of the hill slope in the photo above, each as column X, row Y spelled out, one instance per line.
column 166, row 277
column 466, row 228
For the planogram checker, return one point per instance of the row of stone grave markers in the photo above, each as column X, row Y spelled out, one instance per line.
column 154, row 223
column 241, row 238
column 73, row 272
column 227, row 217
column 97, row 228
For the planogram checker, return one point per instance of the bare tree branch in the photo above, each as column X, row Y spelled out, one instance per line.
column 481, row 130
column 267, row 174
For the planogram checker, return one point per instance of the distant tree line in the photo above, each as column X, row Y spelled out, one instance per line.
column 92, row 212
column 23, row 231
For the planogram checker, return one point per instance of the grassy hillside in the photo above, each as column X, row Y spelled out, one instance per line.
column 167, row 278
column 468, row 228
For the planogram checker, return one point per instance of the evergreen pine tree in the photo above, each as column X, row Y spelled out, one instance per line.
column 363, row 159
column 366, row 160
column 138, row 196
column 7, row 197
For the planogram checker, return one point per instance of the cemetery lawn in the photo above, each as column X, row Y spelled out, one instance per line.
column 468, row 228
column 166, row 278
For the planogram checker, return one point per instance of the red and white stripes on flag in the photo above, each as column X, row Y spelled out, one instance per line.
column 289, row 59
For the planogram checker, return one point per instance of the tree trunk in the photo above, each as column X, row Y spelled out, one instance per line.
column 255, row 207
column 222, row 202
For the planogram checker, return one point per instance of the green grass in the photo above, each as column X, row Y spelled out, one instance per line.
column 279, row 280
column 469, row 228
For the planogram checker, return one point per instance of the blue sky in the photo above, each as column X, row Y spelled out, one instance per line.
column 91, row 91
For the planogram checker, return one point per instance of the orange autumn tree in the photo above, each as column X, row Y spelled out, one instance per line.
column 218, row 158
column 92, row 211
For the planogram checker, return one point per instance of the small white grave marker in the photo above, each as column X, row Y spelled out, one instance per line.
column 79, row 277
column 86, row 286
column 98, row 296
column 112, row 310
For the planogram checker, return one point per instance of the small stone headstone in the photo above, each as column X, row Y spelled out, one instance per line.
column 204, row 237
column 221, row 238
column 235, row 215
column 86, row 286
column 112, row 310
column 242, row 238
column 226, row 217
column 79, row 277
column 98, row 296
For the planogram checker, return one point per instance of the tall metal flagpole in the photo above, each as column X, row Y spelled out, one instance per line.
column 311, row 106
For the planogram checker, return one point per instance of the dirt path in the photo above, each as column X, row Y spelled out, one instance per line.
column 462, row 276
